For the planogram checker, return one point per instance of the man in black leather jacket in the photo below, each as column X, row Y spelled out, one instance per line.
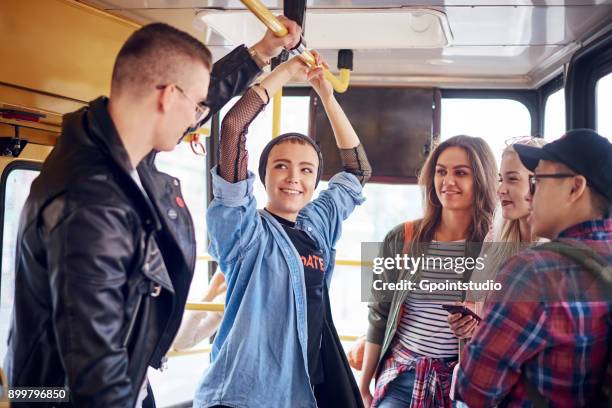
column 106, row 247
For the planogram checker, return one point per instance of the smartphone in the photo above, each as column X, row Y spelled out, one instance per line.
column 452, row 309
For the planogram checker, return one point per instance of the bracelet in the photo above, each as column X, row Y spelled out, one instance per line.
column 261, row 63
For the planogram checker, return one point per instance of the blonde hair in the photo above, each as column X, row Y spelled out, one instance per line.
column 506, row 231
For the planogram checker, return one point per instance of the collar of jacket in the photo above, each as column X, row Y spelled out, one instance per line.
column 104, row 135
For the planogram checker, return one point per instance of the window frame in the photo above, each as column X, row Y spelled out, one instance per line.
column 586, row 68
column 605, row 74
column 10, row 167
column 544, row 92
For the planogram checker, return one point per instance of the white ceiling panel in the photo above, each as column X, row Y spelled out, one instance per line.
column 278, row 4
column 494, row 42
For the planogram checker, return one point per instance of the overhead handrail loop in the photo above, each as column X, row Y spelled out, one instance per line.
column 264, row 15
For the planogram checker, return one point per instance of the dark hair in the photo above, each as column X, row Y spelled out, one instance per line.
column 156, row 54
column 601, row 203
column 289, row 138
column 485, row 171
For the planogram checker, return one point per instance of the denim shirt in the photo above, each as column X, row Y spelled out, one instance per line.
column 259, row 355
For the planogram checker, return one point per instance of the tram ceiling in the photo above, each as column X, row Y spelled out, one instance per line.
column 493, row 43
column 278, row 4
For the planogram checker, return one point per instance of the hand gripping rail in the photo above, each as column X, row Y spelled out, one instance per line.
column 265, row 16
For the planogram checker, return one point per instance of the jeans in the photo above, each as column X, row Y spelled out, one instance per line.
column 399, row 393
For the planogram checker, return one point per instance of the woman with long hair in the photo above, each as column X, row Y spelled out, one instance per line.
column 409, row 345
column 511, row 229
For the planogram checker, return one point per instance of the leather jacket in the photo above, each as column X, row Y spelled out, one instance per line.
column 102, row 269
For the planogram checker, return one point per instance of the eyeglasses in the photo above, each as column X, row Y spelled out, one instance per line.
column 201, row 109
column 533, row 179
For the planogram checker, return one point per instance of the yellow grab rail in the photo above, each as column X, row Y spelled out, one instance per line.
column 205, row 306
column 341, row 262
column 199, row 350
column 340, row 85
column 205, row 132
column 348, row 337
column 277, row 102
column 265, row 16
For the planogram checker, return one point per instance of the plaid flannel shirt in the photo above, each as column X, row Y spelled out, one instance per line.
column 560, row 346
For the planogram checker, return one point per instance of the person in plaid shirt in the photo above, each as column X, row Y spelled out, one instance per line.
column 530, row 347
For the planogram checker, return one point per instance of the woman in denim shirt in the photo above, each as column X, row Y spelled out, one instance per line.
column 277, row 345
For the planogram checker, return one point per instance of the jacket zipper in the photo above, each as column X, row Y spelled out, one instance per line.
column 126, row 340
column 144, row 374
column 132, row 323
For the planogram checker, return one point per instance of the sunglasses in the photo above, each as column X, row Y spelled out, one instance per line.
column 524, row 140
column 533, row 179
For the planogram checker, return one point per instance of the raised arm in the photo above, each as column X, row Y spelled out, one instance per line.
column 233, row 155
column 231, row 217
column 352, row 153
column 232, row 74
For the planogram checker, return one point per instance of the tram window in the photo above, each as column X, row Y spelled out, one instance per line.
column 494, row 120
column 177, row 384
column 554, row 115
column 386, row 206
column 349, row 312
column 604, row 106
column 192, row 172
column 16, row 190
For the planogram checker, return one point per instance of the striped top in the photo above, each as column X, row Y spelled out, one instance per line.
column 423, row 326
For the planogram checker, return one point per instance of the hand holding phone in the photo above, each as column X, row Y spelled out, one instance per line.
column 464, row 311
column 464, row 326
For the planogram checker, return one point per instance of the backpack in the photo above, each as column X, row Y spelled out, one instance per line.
column 585, row 256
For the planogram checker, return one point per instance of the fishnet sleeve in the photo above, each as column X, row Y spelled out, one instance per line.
column 233, row 155
column 356, row 162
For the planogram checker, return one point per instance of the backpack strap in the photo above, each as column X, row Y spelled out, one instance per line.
column 409, row 228
column 585, row 256
column 408, row 231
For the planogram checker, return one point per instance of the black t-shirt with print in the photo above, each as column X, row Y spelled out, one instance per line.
column 314, row 273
